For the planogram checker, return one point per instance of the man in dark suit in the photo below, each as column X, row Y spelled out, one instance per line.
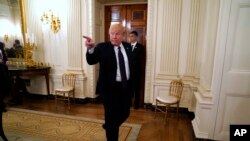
column 138, row 53
column 114, row 83
column 5, row 84
column 4, row 79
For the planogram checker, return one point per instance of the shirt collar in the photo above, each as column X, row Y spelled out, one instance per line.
column 133, row 44
column 121, row 45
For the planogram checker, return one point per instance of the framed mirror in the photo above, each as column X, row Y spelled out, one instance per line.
column 13, row 27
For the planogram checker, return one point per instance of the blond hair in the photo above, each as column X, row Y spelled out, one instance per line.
column 116, row 26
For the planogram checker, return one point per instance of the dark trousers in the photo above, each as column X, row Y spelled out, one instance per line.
column 4, row 90
column 137, row 90
column 5, row 85
column 117, row 110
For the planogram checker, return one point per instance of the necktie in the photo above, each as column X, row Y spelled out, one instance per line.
column 132, row 47
column 122, row 68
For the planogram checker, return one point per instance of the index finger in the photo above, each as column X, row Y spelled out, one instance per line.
column 86, row 37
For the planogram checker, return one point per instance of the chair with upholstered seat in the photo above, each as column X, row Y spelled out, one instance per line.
column 67, row 91
column 171, row 98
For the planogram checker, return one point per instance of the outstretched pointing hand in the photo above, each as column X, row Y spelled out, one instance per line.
column 89, row 42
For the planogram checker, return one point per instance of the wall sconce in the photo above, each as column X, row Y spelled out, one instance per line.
column 49, row 17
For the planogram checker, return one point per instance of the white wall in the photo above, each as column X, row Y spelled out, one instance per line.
column 62, row 50
column 230, row 95
column 181, row 44
column 234, row 94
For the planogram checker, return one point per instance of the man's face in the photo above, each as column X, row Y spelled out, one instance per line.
column 132, row 38
column 116, row 36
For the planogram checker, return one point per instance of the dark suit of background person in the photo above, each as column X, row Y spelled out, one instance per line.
column 5, row 84
column 138, row 53
column 115, row 98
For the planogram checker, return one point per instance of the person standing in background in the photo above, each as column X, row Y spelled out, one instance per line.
column 138, row 53
column 18, row 49
column 115, row 81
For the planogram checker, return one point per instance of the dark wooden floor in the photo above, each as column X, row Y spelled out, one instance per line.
column 176, row 128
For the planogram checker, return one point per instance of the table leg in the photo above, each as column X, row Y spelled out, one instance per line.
column 47, row 83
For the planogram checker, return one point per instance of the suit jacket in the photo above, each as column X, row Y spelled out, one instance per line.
column 5, row 83
column 138, row 56
column 104, row 54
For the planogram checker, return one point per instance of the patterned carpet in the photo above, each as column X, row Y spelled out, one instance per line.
column 27, row 125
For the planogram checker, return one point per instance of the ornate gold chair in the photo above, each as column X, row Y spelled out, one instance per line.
column 171, row 98
column 67, row 91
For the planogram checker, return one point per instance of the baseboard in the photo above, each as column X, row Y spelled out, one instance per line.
column 77, row 100
column 182, row 110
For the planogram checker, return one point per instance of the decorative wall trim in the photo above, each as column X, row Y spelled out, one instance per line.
column 88, row 29
column 149, row 77
column 73, row 33
column 192, row 66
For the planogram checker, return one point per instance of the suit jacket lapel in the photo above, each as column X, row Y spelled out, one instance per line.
column 112, row 54
column 128, row 50
column 135, row 46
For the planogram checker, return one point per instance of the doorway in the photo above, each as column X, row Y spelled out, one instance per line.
column 133, row 17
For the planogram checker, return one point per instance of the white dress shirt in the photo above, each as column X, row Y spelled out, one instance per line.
column 133, row 45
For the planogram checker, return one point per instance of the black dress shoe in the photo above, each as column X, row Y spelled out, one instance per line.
column 136, row 107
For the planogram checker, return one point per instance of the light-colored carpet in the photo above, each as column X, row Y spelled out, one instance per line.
column 28, row 125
